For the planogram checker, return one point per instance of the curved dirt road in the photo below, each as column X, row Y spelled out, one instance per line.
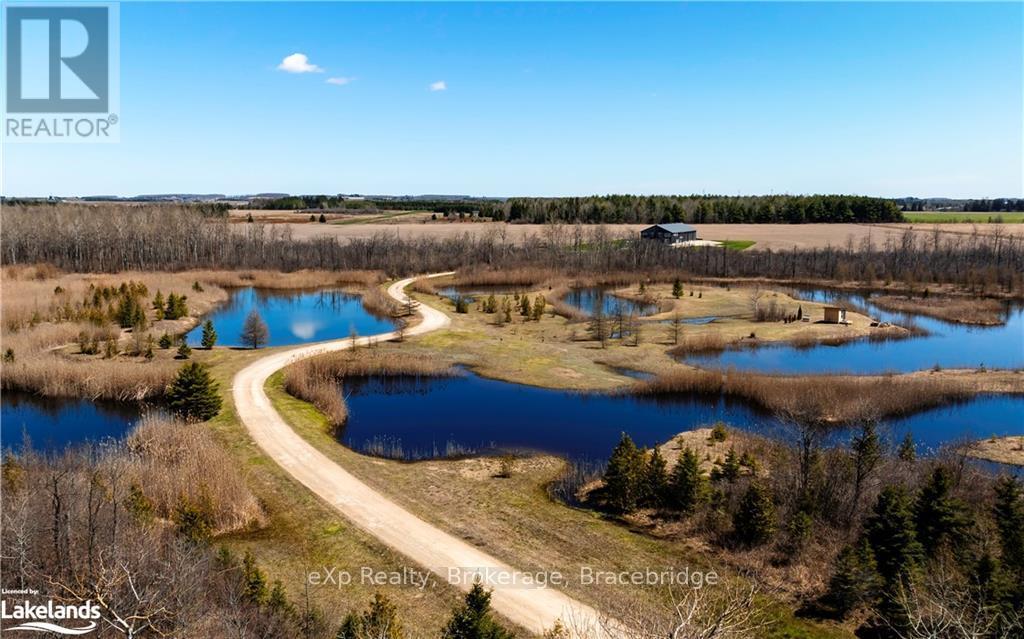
column 448, row 557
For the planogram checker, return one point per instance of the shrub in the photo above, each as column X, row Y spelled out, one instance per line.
column 209, row 335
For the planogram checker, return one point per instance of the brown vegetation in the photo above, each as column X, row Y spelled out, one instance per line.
column 982, row 311
column 318, row 380
column 165, row 237
column 1005, row 450
column 820, row 398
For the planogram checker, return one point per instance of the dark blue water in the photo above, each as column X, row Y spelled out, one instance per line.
column 53, row 424
column 590, row 300
column 472, row 413
column 293, row 317
column 473, row 293
column 947, row 345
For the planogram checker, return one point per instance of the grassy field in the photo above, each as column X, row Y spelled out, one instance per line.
column 738, row 245
column 956, row 217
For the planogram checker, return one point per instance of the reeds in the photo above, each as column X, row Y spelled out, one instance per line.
column 171, row 460
column 317, row 380
column 822, row 398
column 51, row 375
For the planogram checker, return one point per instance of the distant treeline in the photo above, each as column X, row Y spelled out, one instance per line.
column 994, row 205
column 655, row 209
column 642, row 209
column 333, row 203
column 117, row 238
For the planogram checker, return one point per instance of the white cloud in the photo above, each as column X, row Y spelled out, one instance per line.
column 339, row 81
column 298, row 63
column 440, row 85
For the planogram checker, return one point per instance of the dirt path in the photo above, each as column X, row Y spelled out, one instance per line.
column 448, row 557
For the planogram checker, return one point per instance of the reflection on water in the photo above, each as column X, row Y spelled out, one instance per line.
column 475, row 413
column 293, row 317
column 52, row 424
column 947, row 345
column 592, row 299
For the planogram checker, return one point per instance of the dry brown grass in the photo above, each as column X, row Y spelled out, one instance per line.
column 308, row 278
column 317, row 380
column 1005, row 450
column 816, row 399
column 981, row 311
column 170, row 460
column 53, row 375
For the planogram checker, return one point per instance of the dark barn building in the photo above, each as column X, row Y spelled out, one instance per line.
column 669, row 233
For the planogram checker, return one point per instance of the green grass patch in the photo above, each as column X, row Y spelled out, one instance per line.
column 956, row 217
column 738, row 245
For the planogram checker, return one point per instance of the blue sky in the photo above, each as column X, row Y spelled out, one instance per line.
column 555, row 99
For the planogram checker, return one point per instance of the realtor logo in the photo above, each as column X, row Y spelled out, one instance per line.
column 60, row 59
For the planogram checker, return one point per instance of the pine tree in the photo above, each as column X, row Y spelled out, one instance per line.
column 623, row 476
column 473, row 619
column 890, row 531
column 687, row 485
column 165, row 341
column 731, row 466
column 938, row 517
column 539, row 303
column 677, row 289
column 754, row 522
column 184, row 351
column 907, row 451
column 866, row 453
column 524, row 306
column 379, row 621
column 254, row 582
column 193, row 393
column 855, row 581
column 254, row 330
column 158, row 301
column 655, row 480
column 1008, row 512
column 323, row 219
column 209, row 335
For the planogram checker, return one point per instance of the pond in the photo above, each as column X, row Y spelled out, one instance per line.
column 947, row 345
column 293, row 317
column 594, row 298
column 431, row 417
column 52, row 424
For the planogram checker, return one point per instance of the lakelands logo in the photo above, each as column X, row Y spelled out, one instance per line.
column 61, row 72
column 62, row 619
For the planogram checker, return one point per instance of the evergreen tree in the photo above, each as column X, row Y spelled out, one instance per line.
column 254, row 582
column 1008, row 512
column 655, row 480
column 158, row 301
column 165, row 341
column 323, row 219
column 184, row 351
column 539, row 303
column 193, row 393
column 687, row 485
column 473, row 619
column 855, row 581
column 677, row 289
column 866, row 452
column 754, row 522
column 890, row 531
column 254, row 330
column 731, row 466
column 907, row 451
column 379, row 621
column 938, row 517
column 209, row 335
column 524, row 306
column 622, row 479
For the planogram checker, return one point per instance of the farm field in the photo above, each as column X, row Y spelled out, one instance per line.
column 762, row 236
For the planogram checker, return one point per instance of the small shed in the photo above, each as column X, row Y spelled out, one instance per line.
column 835, row 315
column 669, row 233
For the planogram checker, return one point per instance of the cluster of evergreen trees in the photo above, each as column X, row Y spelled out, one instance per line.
column 995, row 205
column 471, row 620
column 710, row 209
column 906, row 535
column 638, row 478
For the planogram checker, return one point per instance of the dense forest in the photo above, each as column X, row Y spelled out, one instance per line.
column 114, row 238
column 613, row 209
